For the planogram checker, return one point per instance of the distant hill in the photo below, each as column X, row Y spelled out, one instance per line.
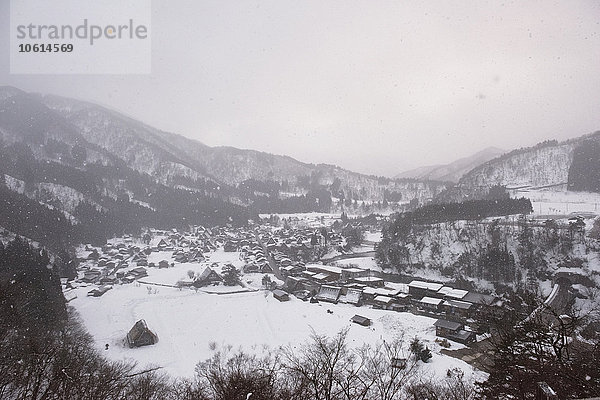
column 453, row 171
column 568, row 165
column 107, row 172
column 168, row 155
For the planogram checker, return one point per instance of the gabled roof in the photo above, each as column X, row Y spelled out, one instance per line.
column 138, row 330
column 450, row 325
column 478, row 298
column 382, row 299
column 431, row 300
column 328, row 292
column 463, row 305
column 366, row 279
column 457, row 293
column 206, row 274
column 321, row 276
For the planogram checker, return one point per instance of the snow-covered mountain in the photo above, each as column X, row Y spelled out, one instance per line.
column 453, row 171
column 83, row 159
column 107, row 135
column 567, row 165
column 545, row 164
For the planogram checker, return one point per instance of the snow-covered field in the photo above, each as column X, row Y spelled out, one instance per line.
column 549, row 202
column 192, row 326
column 367, row 263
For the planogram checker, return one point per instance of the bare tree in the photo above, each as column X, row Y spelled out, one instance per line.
column 322, row 366
column 389, row 370
column 234, row 377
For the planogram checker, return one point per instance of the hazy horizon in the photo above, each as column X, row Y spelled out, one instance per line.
column 377, row 88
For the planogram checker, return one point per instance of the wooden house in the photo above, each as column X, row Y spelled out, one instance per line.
column 431, row 304
column 324, row 277
column 207, row 277
column 328, row 293
column 352, row 273
column 457, row 308
column 138, row 272
column 454, row 331
column 420, row 289
column 383, row 302
column 372, row 281
column 91, row 276
column 351, row 296
column 109, row 280
column 141, row 335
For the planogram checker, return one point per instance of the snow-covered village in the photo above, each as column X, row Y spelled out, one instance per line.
column 244, row 291
column 315, row 200
column 200, row 291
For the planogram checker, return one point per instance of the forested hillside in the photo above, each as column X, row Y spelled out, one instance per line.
column 567, row 165
column 507, row 251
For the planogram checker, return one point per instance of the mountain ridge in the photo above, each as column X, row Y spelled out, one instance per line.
column 107, row 172
column 454, row 170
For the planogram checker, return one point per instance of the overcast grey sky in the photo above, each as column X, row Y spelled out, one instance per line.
column 373, row 86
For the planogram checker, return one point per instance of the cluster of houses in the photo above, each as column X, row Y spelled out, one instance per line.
column 127, row 260
column 289, row 248
column 298, row 244
column 452, row 307
column 254, row 258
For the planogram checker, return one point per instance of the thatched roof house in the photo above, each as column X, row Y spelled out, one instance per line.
column 141, row 335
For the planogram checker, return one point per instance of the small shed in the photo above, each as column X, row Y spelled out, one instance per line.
column 141, row 335
column 359, row 319
column 99, row 291
column 280, row 295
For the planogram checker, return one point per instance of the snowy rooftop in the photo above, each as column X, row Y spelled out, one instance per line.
column 382, row 299
column 354, row 270
column 323, row 268
column 352, row 296
column 321, row 276
column 379, row 291
column 463, row 305
column 431, row 300
column 456, row 293
column 426, row 285
column 368, row 279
